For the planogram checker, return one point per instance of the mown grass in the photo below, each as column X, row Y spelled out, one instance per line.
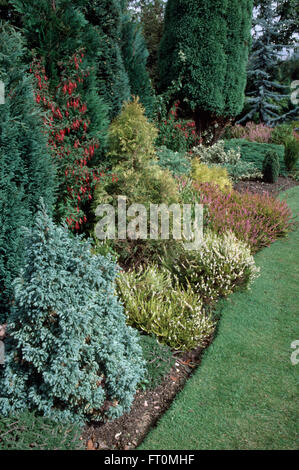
column 244, row 394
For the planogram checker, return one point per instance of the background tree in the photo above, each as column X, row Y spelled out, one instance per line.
column 150, row 15
column 287, row 14
column 113, row 80
column 267, row 99
column 205, row 45
column 135, row 55
column 26, row 170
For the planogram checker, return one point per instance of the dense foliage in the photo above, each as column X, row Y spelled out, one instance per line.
column 255, row 152
column 69, row 354
column 113, row 80
column 271, row 167
column 76, row 135
column 218, row 175
column 155, row 305
column 150, row 14
column 27, row 431
column 222, row 264
column 176, row 162
column 205, row 44
column 26, row 168
column 135, row 56
column 256, row 219
column 137, row 177
column 94, row 122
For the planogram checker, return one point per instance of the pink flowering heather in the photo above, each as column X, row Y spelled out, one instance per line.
column 256, row 219
column 253, row 132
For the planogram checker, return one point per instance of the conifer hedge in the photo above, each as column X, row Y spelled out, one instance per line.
column 26, row 170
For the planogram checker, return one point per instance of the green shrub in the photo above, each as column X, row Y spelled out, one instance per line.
column 271, row 167
column 27, row 172
column 131, row 136
column 216, row 174
column 176, row 162
column 230, row 159
column 243, row 171
column 222, row 264
column 216, row 154
column 156, row 305
column 150, row 184
column 159, row 360
column 70, row 355
column 137, row 177
column 281, row 133
column 291, row 153
column 255, row 152
column 26, row 431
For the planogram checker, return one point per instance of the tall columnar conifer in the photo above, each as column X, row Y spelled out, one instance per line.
column 56, row 29
column 135, row 54
column 26, row 170
column 114, row 86
column 205, row 46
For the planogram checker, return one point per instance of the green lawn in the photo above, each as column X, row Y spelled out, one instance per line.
column 245, row 393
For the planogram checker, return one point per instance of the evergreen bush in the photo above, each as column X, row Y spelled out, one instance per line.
column 131, row 137
column 291, row 153
column 135, row 54
column 26, row 170
column 216, row 174
column 271, row 167
column 176, row 162
column 205, row 47
column 136, row 176
column 255, row 152
column 69, row 354
column 113, row 80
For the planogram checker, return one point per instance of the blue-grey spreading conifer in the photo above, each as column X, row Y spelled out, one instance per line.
column 69, row 354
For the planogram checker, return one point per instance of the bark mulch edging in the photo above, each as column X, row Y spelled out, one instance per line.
column 258, row 186
column 128, row 431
